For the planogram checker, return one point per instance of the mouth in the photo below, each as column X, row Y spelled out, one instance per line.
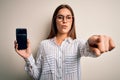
column 64, row 26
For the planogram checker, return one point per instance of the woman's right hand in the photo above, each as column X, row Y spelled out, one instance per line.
column 25, row 53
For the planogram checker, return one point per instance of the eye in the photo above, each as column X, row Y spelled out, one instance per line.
column 69, row 17
column 60, row 17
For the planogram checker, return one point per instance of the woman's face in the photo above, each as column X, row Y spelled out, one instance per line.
column 64, row 21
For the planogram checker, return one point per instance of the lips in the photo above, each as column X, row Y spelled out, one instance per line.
column 64, row 26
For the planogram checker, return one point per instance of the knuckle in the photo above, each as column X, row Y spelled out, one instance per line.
column 106, row 50
column 103, row 51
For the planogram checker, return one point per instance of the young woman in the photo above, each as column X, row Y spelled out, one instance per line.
column 59, row 55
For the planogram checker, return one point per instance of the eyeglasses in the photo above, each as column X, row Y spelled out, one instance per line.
column 62, row 18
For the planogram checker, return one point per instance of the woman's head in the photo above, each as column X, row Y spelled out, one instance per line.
column 63, row 22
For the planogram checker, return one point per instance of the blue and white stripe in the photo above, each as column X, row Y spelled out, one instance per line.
column 54, row 62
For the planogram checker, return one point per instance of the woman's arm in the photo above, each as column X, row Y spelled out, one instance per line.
column 96, row 45
column 100, row 44
column 32, row 66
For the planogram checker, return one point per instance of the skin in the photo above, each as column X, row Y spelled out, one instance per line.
column 98, row 44
column 63, row 26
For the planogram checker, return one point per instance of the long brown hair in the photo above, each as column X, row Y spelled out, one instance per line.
column 54, row 30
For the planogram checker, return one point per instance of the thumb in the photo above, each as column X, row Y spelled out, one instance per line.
column 15, row 45
column 96, row 51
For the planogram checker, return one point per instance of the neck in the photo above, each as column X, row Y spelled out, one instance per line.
column 60, row 38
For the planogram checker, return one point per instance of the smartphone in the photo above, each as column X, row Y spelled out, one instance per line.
column 21, row 37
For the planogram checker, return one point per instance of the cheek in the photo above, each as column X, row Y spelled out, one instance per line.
column 58, row 25
column 70, row 25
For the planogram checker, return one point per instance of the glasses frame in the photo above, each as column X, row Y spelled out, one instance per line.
column 61, row 18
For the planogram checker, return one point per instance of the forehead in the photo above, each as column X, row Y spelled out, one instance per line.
column 64, row 11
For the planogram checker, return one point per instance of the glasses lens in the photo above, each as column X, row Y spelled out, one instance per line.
column 61, row 18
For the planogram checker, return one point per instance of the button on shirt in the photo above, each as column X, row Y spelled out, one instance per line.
column 58, row 62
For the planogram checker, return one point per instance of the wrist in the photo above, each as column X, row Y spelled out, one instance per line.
column 27, row 56
column 30, row 60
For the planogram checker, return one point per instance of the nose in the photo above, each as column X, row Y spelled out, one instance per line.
column 64, row 20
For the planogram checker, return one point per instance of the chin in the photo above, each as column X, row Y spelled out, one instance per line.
column 65, row 31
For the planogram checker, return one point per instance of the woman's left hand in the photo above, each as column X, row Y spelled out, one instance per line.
column 100, row 44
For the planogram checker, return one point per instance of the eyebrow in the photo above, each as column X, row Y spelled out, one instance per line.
column 63, row 15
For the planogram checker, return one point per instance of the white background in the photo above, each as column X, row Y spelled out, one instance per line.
column 92, row 17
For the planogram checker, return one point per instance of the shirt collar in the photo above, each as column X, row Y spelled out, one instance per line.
column 68, row 39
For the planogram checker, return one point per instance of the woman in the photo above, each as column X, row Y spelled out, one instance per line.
column 59, row 55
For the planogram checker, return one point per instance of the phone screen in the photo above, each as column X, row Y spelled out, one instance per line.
column 21, row 37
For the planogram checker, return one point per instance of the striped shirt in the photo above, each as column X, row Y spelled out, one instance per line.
column 58, row 62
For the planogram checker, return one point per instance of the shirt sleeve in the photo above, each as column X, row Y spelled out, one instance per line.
column 33, row 67
column 84, row 49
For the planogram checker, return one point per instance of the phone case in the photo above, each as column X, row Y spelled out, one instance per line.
column 21, row 37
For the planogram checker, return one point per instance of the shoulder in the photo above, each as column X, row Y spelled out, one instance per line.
column 45, row 42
